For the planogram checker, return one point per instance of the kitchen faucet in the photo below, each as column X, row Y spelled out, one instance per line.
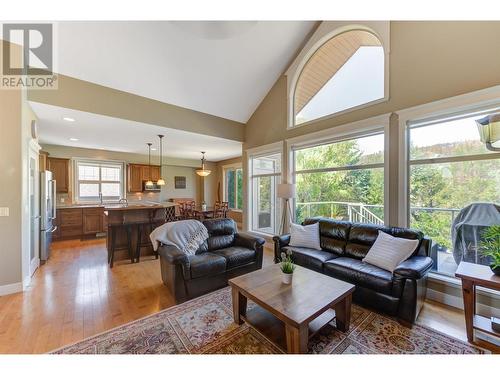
column 100, row 198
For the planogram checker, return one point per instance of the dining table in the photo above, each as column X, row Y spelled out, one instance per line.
column 206, row 213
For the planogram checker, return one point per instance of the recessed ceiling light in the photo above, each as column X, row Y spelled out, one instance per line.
column 69, row 119
column 73, row 139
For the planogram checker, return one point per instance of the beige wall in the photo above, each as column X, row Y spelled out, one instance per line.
column 10, row 181
column 428, row 61
column 15, row 119
column 90, row 97
column 173, row 167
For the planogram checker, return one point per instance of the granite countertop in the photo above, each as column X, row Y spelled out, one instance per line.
column 119, row 206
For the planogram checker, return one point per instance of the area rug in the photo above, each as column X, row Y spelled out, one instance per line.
column 205, row 325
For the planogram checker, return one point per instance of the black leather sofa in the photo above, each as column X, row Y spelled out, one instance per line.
column 345, row 244
column 226, row 254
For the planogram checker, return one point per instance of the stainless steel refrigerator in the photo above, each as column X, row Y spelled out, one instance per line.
column 47, row 213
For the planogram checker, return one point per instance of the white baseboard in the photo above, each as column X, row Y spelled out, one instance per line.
column 26, row 282
column 458, row 302
column 11, row 288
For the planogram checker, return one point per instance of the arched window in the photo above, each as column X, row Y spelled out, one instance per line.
column 344, row 72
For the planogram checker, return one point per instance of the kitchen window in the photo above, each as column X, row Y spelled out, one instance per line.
column 233, row 187
column 95, row 178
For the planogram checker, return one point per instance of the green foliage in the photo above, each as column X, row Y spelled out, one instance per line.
column 239, row 186
column 286, row 264
column 490, row 244
column 362, row 185
column 444, row 185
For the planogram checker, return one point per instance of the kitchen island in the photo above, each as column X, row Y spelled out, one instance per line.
column 125, row 221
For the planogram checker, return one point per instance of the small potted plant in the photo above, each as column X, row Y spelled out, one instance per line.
column 287, row 267
column 490, row 247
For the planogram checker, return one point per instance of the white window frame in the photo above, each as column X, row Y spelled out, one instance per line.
column 232, row 167
column 250, row 154
column 476, row 101
column 370, row 126
column 326, row 31
column 449, row 108
column 101, row 163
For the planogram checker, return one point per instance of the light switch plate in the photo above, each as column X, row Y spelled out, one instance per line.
column 4, row 211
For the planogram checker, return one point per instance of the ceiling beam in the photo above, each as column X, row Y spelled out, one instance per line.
column 90, row 97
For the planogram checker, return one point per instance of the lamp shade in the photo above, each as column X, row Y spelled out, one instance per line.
column 286, row 191
column 489, row 131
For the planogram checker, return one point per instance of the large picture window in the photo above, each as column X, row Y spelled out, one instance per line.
column 265, row 175
column 233, row 187
column 345, row 72
column 343, row 180
column 93, row 179
column 454, row 184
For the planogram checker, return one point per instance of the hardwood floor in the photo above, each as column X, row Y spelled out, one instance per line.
column 75, row 295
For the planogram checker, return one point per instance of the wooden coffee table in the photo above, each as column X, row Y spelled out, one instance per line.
column 292, row 312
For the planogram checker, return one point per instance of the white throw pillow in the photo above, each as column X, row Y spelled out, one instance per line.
column 305, row 236
column 388, row 252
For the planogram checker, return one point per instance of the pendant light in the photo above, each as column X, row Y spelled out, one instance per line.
column 202, row 171
column 149, row 182
column 161, row 181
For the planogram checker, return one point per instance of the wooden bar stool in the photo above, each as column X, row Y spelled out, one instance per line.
column 113, row 247
column 146, row 227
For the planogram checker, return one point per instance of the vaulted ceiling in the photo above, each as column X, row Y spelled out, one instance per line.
column 223, row 68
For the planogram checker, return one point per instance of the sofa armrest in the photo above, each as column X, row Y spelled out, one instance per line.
column 173, row 255
column 282, row 240
column 415, row 268
column 248, row 241
column 279, row 242
column 425, row 247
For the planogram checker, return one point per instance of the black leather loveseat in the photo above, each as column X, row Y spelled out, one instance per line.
column 345, row 244
column 224, row 255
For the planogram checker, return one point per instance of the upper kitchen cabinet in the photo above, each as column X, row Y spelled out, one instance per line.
column 155, row 173
column 138, row 173
column 134, row 178
column 60, row 170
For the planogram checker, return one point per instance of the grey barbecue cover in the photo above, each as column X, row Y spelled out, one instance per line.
column 467, row 227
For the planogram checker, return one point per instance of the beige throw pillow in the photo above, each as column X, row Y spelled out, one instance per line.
column 305, row 236
column 388, row 252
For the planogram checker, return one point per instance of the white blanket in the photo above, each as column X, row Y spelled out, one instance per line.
column 186, row 235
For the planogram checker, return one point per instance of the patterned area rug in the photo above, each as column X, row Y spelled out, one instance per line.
column 205, row 325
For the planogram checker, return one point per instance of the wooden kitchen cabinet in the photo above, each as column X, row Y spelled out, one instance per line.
column 60, row 170
column 70, row 222
column 134, row 178
column 138, row 173
column 155, row 173
column 77, row 222
column 92, row 220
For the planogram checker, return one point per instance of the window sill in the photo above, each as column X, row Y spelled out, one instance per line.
column 456, row 283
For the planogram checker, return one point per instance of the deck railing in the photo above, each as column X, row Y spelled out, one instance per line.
column 359, row 212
